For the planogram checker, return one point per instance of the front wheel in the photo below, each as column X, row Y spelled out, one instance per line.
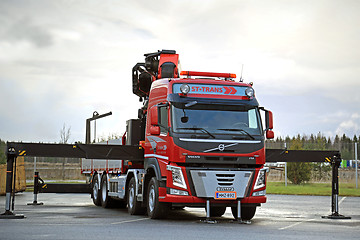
column 247, row 213
column 155, row 209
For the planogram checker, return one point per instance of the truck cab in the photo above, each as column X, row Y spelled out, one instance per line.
column 205, row 140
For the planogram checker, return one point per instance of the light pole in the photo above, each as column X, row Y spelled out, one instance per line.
column 356, row 165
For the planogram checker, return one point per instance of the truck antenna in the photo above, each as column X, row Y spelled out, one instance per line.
column 242, row 68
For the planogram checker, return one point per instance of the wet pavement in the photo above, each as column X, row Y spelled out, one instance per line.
column 73, row 216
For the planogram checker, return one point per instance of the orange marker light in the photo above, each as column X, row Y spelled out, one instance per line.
column 208, row 74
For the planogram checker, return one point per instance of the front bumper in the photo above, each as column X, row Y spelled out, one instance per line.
column 197, row 201
column 192, row 201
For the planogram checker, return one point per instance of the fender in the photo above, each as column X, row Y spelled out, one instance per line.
column 152, row 163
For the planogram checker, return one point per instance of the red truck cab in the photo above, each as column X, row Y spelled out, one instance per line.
column 204, row 138
column 202, row 141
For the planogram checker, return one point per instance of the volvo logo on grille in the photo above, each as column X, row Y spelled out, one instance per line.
column 221, row 147
column 224, row 189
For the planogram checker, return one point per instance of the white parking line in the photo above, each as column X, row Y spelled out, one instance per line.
column 342, row 200
column 127, row 221
column 295, row 224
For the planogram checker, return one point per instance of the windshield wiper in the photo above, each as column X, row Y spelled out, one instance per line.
column 237, row 130
column 201, row 129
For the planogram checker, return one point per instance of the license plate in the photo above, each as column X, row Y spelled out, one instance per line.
column 225, row 195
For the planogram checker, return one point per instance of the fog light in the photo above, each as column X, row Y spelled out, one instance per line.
column 178, row 192
column 259, row 193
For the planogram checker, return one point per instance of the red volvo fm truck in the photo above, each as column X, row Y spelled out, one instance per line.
column 203, row 142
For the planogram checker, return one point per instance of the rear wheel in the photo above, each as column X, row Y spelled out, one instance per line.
column 247, row 213
column 134, row 206
column 155, row 209
column 217, row 211
column 96, row 191
column 105, row 200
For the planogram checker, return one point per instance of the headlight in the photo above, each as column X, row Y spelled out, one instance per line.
column 249, row 92
column 260, row 180
column 177, row 176
column 185, row 89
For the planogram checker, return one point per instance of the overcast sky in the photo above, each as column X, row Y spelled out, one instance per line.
column 62, row 60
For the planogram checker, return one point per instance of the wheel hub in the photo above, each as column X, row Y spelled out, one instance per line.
column 151, row 198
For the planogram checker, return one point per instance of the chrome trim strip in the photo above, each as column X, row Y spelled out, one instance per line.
column 217, row 148
column 218, row 140
column 157, row 156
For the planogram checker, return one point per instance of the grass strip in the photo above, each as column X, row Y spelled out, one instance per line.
column 316, row 189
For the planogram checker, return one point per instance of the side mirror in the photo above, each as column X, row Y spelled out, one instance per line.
column 270, row 134
column 155, row 130
column 154, row 116
column 269, row 119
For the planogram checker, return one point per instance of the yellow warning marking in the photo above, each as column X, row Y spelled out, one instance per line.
column 286, row 151
column 22, row 153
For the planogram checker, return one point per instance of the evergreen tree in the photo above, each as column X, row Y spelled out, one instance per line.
column 298, row 172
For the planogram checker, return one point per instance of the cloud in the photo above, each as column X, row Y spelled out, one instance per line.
column 350, row 126
column 25, row 30
column 66, row 59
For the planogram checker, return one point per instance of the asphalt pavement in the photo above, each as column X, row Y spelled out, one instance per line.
column 73, row 216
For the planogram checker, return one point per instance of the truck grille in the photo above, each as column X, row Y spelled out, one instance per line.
column 225, row 179
column 207, row 182
column 221, row 159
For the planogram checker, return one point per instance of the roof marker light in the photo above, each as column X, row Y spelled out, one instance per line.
column 207, row 74
column 185, row 89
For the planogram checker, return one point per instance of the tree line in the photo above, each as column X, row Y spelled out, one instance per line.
column 301, row 172
column 343, row 143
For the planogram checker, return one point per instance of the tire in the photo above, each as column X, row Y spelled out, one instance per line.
column 217, row 211
column 134, row 206
column 247, row 213
column 155, row 209
column 95, row 191
column 105, row 200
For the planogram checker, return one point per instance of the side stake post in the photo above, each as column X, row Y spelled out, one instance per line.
column 335, row 190
column 36, row 190
column 8, row 214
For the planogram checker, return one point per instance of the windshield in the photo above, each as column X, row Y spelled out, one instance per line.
column 216, row 119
